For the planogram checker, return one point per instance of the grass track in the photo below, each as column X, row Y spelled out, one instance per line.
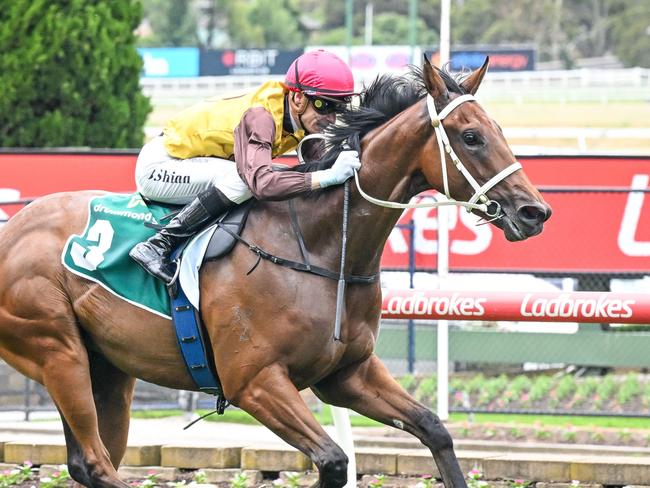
column 535, row 114
column 578, row 114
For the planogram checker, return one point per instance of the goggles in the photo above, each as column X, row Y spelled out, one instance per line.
column 328, row 105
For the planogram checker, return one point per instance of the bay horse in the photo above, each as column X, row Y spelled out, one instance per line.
column 271, row 331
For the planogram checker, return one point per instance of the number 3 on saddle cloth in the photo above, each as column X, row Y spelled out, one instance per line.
column 116, row 223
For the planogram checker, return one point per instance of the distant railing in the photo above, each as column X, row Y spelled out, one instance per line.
column 572, row 78
column 580, row 85
column 580, row 134
column 171, row 90
column 553, row 85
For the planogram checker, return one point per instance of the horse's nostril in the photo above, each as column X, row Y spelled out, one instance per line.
column 533, row 214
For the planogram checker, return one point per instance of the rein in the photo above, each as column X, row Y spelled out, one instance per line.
column 297, row 266
column 340, row 290
column 306, row 266
column 444, row 147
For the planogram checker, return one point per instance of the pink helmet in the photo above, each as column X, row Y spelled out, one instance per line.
column 320, row 73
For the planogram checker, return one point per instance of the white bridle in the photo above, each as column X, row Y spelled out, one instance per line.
column 445, row 148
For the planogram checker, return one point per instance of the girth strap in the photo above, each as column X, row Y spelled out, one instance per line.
column 192, row 344
column 304, row 267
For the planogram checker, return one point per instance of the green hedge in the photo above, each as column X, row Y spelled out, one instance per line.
column 69, row 74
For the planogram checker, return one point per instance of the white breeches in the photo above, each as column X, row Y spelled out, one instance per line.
column 163, row 178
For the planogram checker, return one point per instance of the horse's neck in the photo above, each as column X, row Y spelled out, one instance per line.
column 389, row 156
column 390, row 172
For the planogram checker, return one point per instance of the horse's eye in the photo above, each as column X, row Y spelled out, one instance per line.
column 470, row 138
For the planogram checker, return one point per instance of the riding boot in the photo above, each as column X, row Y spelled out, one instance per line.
column 153, row 254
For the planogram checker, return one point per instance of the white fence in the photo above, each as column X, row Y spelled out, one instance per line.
column 585, row 77
column 563, row 86
column 183, row 90
column 557, row 85
column 580, row 134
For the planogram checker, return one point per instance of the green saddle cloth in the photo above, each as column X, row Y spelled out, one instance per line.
column 101, row 253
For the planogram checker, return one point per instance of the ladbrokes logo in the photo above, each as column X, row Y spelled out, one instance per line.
column 419, row 304
column 566, row 307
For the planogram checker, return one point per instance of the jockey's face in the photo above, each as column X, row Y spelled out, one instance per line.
column 312, row 118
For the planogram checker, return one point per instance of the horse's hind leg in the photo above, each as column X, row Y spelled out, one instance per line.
column 39, row 336
column 369, row 389
column 273, row 400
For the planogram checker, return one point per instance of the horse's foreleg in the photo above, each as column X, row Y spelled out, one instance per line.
column 112, row 393
column 76, row 464
column 369, row 389
column 273, row 399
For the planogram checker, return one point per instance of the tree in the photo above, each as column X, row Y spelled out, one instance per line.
column 263, row 24
column 391, row 23
column 509, row 22
column 281, row 28
column 390, row 28
column 560, row 29
column 173, row 22
column 631, row 34
column 70, row 74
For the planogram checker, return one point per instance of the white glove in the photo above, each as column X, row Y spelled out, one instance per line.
column 342, row 169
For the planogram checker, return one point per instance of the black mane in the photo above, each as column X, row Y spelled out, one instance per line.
column 387, row 96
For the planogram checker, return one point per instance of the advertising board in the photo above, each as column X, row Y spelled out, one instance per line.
column 501, row 59
column 241, row 62
column 588, row 232
column 369, row 61
column 169, row 62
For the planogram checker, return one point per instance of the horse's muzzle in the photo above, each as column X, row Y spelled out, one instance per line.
column 527, row 221
column 534, row 215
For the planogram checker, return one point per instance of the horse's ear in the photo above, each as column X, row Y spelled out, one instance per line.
column 472, row 82
column 433, row 81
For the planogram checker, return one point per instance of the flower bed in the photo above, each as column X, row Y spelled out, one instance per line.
column 627, row 394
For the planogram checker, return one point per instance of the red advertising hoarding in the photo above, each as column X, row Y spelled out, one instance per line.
column 588, row 232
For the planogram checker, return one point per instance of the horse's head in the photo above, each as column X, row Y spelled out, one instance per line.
column 479, row 165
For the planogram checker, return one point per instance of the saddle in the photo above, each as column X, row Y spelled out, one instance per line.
column 230, row 225
column 223, row 241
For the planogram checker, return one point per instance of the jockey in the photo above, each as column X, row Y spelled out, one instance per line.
column 217, row 154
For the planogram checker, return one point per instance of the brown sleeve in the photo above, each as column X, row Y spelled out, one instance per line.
column 253, row 142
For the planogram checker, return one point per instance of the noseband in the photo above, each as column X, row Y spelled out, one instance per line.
column 478, row 201
column 445, row 147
